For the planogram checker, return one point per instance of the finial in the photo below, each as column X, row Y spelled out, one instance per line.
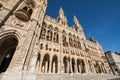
column 75, row 19
column 61, row 10
column 76, row 22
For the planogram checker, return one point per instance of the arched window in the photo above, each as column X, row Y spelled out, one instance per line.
column 65, row 64
column 45, row 64
column 70, row 42
column 74, row 42
column 41, row 46
column 25, row 8
column 63, row 38
column 46, row 46
column 30, row 11
column 79, row 45
column 49, row 35
column 56, row 37
column 54, row 64
column 43, row 32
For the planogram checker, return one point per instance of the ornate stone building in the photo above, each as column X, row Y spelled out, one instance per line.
column 32, row 43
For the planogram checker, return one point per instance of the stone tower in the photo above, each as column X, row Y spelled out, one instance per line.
column 62, row 18
column 20, row 25
column 78, row 28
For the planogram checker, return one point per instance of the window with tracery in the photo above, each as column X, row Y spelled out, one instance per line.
column 79, row 44
column 70, row 42
column 41, row 46
column 74, row 42
column 56, row 37
column 49, row 35
column 43, row 32
column 63, row 38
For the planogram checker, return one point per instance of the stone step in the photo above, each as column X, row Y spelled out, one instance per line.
column 77, row 77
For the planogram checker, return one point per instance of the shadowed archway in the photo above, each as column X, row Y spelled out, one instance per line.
column 54, row 64
column 45, row 63
column 73, row 65
column 8, row 46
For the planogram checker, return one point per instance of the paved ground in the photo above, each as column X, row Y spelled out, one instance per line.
column 74, row 77
column 77, row 77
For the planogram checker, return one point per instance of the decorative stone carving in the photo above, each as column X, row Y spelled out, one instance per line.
column 17, row 23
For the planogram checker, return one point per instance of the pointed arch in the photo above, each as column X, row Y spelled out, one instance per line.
column 56, row 37
column 50, row 27
column 73, row 65
column 54, row 64
column 45, row 64
column 8, row 46
column 49, row 35
column 82, row 66
column 65, row 64
column 43, row 33
column 78, row 65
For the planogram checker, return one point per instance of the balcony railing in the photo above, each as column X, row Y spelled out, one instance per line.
column 22, row 15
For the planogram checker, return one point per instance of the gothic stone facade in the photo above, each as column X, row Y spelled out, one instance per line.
column 33, row 43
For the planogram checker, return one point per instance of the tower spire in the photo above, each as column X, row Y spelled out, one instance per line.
column 77, row 25
column 61, row 17
column 61, row 10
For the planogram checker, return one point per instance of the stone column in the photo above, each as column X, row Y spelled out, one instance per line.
column 43, row 69
column 37, row 66
column 76, row 69
column 79, row 68
column 71, row 66
column 68, row 67
column 58, row 66
column 86, row 66
column 40, row 65
column 50, row 65
column 54, row 67
column 46, row 66
column 93, row 68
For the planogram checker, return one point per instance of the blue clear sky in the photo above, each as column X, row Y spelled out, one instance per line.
column 99, row 19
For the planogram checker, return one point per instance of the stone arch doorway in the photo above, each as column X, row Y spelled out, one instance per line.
column 54, row 64
column 82, row 66
column 78, row 65
column 97, row 68
column 65, row 64
column 8, row 46
column 45, row 63
column 73, row 65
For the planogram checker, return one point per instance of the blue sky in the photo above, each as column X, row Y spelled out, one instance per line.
column 100, row 19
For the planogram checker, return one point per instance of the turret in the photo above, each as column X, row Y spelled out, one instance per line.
column 78, row 28
column 62, row 18
column 77, row 25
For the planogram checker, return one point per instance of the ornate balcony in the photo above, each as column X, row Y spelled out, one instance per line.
column 22, row 15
